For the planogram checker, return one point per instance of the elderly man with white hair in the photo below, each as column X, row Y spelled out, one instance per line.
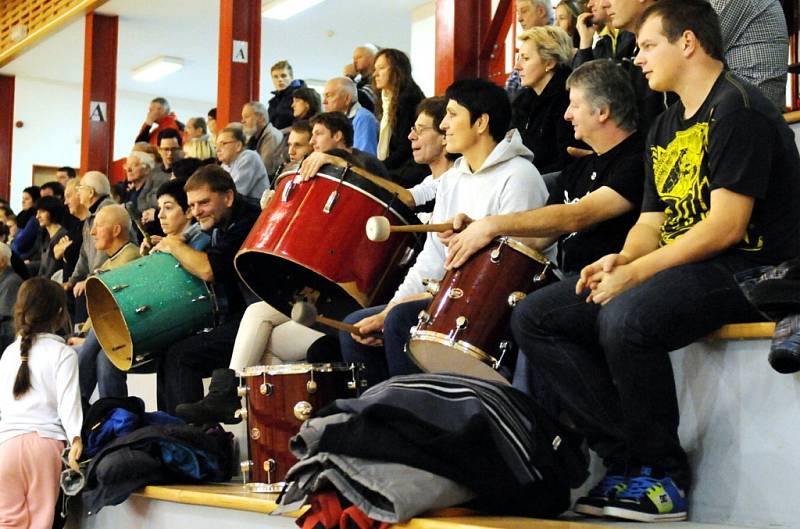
column 143, row 182
column 262, row 136
column 9, row 285
column 341, row 95
column 94, row 193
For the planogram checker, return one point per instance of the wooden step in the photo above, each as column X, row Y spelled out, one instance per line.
column 743, row 331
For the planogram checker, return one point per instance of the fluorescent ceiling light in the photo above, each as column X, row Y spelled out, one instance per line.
column 157, row 68
column 283, row 9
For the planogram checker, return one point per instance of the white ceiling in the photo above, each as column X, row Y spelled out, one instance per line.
column 317, row 42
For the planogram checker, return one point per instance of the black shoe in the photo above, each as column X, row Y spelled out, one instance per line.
column 784, row 353
column 220, row 405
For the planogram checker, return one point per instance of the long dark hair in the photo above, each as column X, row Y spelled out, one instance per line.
column 41, row 307
column 399, row 79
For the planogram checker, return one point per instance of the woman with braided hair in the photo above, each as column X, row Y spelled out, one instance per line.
column 40, row 407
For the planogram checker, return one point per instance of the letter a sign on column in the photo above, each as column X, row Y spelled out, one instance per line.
column 240, row 51
column 97, row 111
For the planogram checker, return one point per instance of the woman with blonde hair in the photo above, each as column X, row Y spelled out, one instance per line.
column 545, row 54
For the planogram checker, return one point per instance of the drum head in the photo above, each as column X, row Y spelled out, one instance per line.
column 433, row 357
column 109, row 324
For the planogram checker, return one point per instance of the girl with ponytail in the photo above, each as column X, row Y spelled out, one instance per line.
column 40, row 406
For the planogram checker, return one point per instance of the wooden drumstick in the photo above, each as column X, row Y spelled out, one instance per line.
column 306, row 314
column 378, row 228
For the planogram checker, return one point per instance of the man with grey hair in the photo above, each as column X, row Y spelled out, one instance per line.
column 595, row 200
column 341, row 95
column 9, row 285
column 143, row 182
column 530, row 14
column 262, row 136
column 94, row 193
column 160, row 115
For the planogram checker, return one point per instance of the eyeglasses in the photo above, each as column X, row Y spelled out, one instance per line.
column 169, row 149
column 223, row 143
column 419, row 130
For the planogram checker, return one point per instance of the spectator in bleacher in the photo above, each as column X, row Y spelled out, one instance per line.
column 566, row 18
column 300, row 141
column 720, row 164
column 68, row 249
column 170, row 146
column 198, row 142
column 262, row 136
column 398, row 97
column 530, row 14
column 244, row 165
column 64, row 174
column 340, row 95
column 24, row 241
column 143, row 182
column 306, row 104
column 360, row 71
column 158, row 171
column 545, row 54
column 756, row 43
column 280, row 105
column 211, row 121
column 611, row 43
column 52, row 189
column 94, row 193
column 160, row 115
column 9, row 285
column 333, row 131
column 50, row 213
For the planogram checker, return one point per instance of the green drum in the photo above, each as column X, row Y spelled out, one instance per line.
column 140, row 309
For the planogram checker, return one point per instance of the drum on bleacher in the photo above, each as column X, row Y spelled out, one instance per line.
column 279, row 398
column 465, row 328
column 139, row 309
column 309, row 244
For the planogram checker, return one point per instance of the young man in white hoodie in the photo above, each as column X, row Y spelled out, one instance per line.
column 494, row 175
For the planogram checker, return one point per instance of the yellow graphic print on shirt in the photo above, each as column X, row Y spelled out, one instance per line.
column 681, row 181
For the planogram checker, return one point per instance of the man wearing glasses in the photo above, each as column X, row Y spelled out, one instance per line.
column 245, row 166
column 170, row 146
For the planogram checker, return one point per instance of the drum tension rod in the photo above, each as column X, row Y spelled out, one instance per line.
column 334, row 196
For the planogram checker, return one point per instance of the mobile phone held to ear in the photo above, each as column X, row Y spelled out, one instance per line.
column 589, row 21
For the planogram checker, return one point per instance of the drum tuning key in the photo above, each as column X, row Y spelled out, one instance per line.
column 494, row 257
column 311, row 385
column 541, row 276
column 117, row 288
column 334, row 196
column 265, row 388
column 461, row 324
column 432, row 285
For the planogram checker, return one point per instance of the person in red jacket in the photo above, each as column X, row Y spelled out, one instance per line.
column 158, row 114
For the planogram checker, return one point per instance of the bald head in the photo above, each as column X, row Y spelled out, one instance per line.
column 364, row 59
column 339, row 94
column 111, row 229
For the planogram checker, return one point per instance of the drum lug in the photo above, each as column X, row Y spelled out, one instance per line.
column 515, row 297
column 270, row 466
column 245, row 467
column 334, row 196
column 302, row 410
column 494, row 257
column 311, row 387
column 201, row 297
column 461, row 324
column 117, row 288
column 288, row 190
column 541, row 275
column 265, row 389
column 142, row 309
column 241, row 391
column 241, row 413
column 423, row 317
column 408, row 255
column 432, row 285
column 255, row 434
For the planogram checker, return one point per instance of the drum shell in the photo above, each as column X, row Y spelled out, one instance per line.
column 297, row 250
column 271, row 419
column 480, row 291
column 141, row 308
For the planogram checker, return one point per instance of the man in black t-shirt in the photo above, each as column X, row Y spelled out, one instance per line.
column 228, row 218
column 722, row 173
column 595, row 199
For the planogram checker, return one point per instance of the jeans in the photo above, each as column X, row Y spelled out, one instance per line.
column 609, row 364
column 391, row 359
column 94, row 368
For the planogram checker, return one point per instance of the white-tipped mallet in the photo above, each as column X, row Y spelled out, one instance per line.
column 379, row 229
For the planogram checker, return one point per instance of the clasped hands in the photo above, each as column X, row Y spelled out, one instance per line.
column 607, row 278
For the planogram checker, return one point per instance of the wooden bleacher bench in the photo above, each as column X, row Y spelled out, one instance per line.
column 743, row 331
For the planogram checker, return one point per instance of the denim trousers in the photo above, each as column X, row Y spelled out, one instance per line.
column 391, row 359
column 609, row 365
column 94, row 368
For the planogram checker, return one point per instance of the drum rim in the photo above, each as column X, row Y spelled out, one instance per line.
column 297, row 369
column 460, row 345
column 265, row 488
column 526, row 250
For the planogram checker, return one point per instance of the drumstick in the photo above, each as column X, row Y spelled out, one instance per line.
column 378, row 228
column 137, row 223
column 306, row 314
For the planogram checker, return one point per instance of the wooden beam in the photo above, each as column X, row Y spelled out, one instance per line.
column 6, row 133
column 238, row 82
column 99, row 93
column 50, row 27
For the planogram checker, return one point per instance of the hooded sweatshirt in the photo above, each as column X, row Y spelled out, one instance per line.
column 506, row 182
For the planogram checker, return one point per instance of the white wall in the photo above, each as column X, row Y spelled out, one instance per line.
column 423, row 47
column 51, row 113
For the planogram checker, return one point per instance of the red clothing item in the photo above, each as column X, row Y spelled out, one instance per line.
column 170, row 121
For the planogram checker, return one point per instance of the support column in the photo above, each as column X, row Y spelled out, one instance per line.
column 239, row 57
column 6, row 133
column 99, row 93
column 458, row 39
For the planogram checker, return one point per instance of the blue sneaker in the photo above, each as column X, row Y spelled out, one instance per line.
column 594, row 503
column 648, row 499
